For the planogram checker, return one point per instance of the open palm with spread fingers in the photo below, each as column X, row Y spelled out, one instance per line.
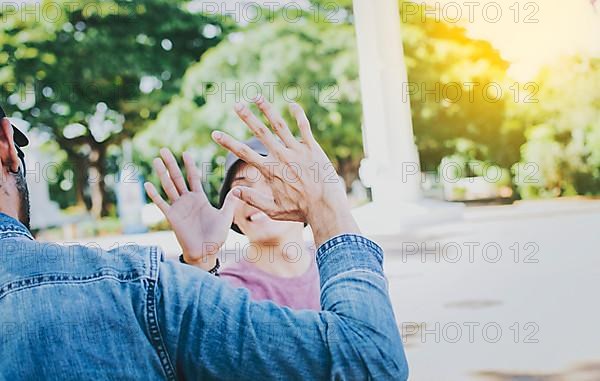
column 200, row 228
column 304, row 184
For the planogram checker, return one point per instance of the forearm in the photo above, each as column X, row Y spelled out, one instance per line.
column 354, row 291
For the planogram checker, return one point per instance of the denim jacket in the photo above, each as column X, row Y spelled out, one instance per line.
column 81, row 313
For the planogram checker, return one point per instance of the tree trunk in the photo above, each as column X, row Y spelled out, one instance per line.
column 80, row 178
column 97, row 173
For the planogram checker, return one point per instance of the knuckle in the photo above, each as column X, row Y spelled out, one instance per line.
column 245, row 113
column 303, row 125
column 260, row 102
column 261, row 131
column 279, row 125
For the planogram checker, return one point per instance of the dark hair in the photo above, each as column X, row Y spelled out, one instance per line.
column 24, row 206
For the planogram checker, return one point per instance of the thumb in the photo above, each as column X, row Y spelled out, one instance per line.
column 231, row 202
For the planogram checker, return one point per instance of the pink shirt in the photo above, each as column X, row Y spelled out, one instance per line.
column 302, row 292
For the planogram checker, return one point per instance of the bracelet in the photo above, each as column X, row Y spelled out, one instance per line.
column 214, row 271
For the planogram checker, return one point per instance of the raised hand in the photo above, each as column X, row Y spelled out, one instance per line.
column 200, row 228
column 303, row 181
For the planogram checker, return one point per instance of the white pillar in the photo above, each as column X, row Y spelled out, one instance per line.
column 391, row 168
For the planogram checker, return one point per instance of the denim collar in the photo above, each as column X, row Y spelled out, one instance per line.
column 11, row 228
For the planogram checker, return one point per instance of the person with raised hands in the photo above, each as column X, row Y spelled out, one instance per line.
column 276, row 264
column 356, row 327
column 301, row 177
column 130, row 314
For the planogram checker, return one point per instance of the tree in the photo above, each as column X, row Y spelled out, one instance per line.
column 458, row 91
column 562, row 154
column 98, row 72
column 308, row 62
column 457, row 86
column 319, row 58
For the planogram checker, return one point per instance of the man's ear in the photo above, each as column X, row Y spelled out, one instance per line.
column 8, row 152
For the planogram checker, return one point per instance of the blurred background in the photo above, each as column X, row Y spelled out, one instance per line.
column 103, row 85
column 505, row 106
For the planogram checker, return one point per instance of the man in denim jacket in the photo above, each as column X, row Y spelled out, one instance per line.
column 78, row 313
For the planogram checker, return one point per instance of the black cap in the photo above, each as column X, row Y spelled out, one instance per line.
column 19, row 137
column 231, row 165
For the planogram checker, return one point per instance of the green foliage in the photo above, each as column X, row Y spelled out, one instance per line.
column 471, row 160
column 311, row 63
column 562, row 153
column 105, row 71
column 457, row 87
column 331, row 9
column 319, row 59
column 91, row 57
column 97, row 74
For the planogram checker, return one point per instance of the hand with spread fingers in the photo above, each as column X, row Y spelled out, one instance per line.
column 303, row 181
column 200, row 228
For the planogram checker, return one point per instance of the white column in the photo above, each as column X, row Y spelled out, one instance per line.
column 391, row 168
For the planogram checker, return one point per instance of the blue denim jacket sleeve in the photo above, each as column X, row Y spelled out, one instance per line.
column 213, row 331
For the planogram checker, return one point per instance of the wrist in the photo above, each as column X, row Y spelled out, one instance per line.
column 204, row 262
column 203, row 257
column 328, row 220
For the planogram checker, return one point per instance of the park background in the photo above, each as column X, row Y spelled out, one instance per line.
column 94, row 78
column 504, row 111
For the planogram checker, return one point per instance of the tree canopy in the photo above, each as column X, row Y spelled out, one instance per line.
column 562, row 152
column 316, row 64
column 93, row 73
column 99, row 71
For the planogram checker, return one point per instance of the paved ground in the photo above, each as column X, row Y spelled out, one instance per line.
column 511, row 293
column 506, row 293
